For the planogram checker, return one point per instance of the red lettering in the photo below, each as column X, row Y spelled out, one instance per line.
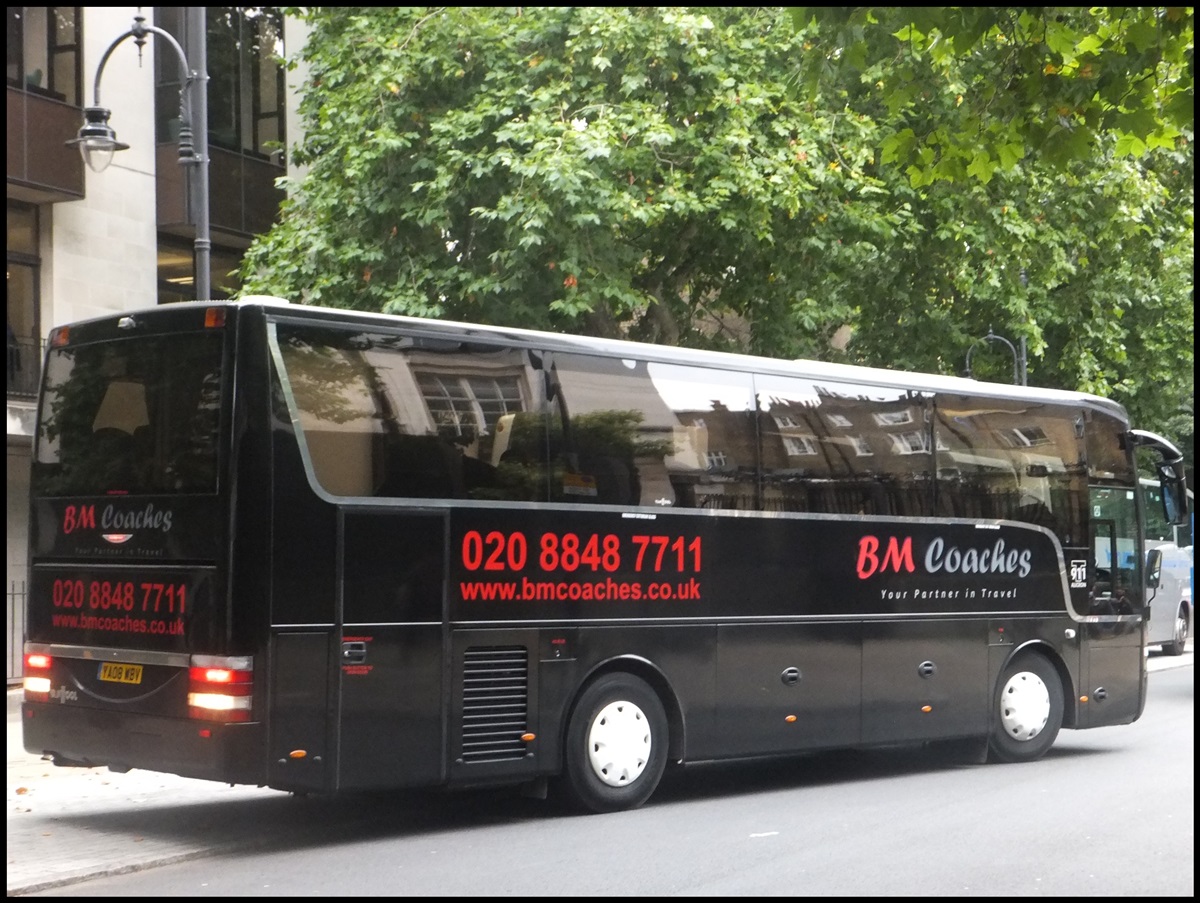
column 899, row 556
column 868, row 560
column 81, row 518
column 896, row 557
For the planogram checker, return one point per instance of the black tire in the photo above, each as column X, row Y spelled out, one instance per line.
column 1027, row 710
column 1179, row 643
column 616, row 744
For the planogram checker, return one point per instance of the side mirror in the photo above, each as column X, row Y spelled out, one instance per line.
column 1154, row 560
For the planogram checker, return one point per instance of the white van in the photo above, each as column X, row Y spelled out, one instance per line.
column 1171, row 603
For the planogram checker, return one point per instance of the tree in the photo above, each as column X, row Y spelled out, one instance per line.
column 1046, row 80
column 620, row 171
column 653, row 173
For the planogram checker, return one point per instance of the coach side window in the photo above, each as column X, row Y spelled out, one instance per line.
column 1016, row 460
column 635, row 432
column 839, row 448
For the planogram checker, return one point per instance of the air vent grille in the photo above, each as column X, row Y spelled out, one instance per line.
column 495, row 703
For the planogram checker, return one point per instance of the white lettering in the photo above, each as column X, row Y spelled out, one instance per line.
column 149, row 518
column 996, row 560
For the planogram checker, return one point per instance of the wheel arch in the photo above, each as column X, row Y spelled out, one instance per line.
column 1051, row 655
column 642, row 668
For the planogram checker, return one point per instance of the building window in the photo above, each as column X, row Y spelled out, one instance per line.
column 717, row 460
column 913, row 443
column 466, row 405
column 1030, row 435
column 246, row 87
column 797, row 446
column 838, row 421
column 44, row 50
column 893, row 418
column 862, row 448
column 177, row 270
column 23, row 271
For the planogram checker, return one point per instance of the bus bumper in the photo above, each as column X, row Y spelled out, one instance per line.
column 229, row 753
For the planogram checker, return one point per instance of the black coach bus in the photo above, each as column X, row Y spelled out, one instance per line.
column 322, row 551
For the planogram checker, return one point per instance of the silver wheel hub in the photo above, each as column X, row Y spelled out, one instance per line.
column 619, row 744
column 1024, row 706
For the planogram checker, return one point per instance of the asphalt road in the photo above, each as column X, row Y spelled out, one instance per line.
column 66, row 826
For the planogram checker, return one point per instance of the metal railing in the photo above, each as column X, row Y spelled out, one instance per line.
column 16, row 630
column 24, row 366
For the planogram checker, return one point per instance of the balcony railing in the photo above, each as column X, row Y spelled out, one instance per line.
column 24, row 366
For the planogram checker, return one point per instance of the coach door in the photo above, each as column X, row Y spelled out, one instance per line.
column 390, row 690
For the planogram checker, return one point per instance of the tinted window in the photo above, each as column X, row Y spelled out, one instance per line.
column 837, row 448
column 629, row 432
column 388, row 415
column 1013, row 460
column 133, row 416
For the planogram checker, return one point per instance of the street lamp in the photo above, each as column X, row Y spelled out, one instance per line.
column 97, row 142
column 1019, row 365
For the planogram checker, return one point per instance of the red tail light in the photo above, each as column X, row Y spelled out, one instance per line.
column 221, row 688
column 37, row 676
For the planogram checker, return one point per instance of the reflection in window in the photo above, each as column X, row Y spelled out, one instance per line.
column 892, row 418
column 1116, row 590
column 44, row 51
column 246, row 78
column 800, row 445
column 633, row 432
column 1031, row 435
column 985, row 471
column 463, row 406
column 136, row 416
column 886, row 469
column 911, row 443
column 717, row 460
column 381, row 416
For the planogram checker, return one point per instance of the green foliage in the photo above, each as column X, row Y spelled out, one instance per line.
column 654, row 173
column 969, row 91
column 620, row 171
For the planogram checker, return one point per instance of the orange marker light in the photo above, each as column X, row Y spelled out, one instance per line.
column 790, row 718
column 926, row 709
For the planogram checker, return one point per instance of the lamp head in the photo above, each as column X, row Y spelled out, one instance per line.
column 97, row 142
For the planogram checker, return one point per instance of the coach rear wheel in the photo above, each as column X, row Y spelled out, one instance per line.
column 1028, row 710
column 1179, row 641
column 616, row 746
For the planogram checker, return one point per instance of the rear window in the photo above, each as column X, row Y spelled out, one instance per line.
column 134, row 416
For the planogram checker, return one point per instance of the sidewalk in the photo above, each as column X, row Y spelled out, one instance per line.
column 148, row 818
column 69, row 824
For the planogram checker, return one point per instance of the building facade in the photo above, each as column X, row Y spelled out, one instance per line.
column 84, row 244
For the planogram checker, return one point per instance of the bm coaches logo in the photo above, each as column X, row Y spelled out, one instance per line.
column 896, row 555
column 116, row 525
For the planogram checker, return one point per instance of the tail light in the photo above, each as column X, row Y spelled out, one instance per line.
column 221, row 688
column 37, row 676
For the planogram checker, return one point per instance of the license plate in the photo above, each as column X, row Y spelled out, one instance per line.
column 121, row 674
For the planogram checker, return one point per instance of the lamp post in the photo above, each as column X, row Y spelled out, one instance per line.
column 97, row 142
column 1019, row 371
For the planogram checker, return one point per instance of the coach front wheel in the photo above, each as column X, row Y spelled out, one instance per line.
column 616, row 744
column 1028, row 710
